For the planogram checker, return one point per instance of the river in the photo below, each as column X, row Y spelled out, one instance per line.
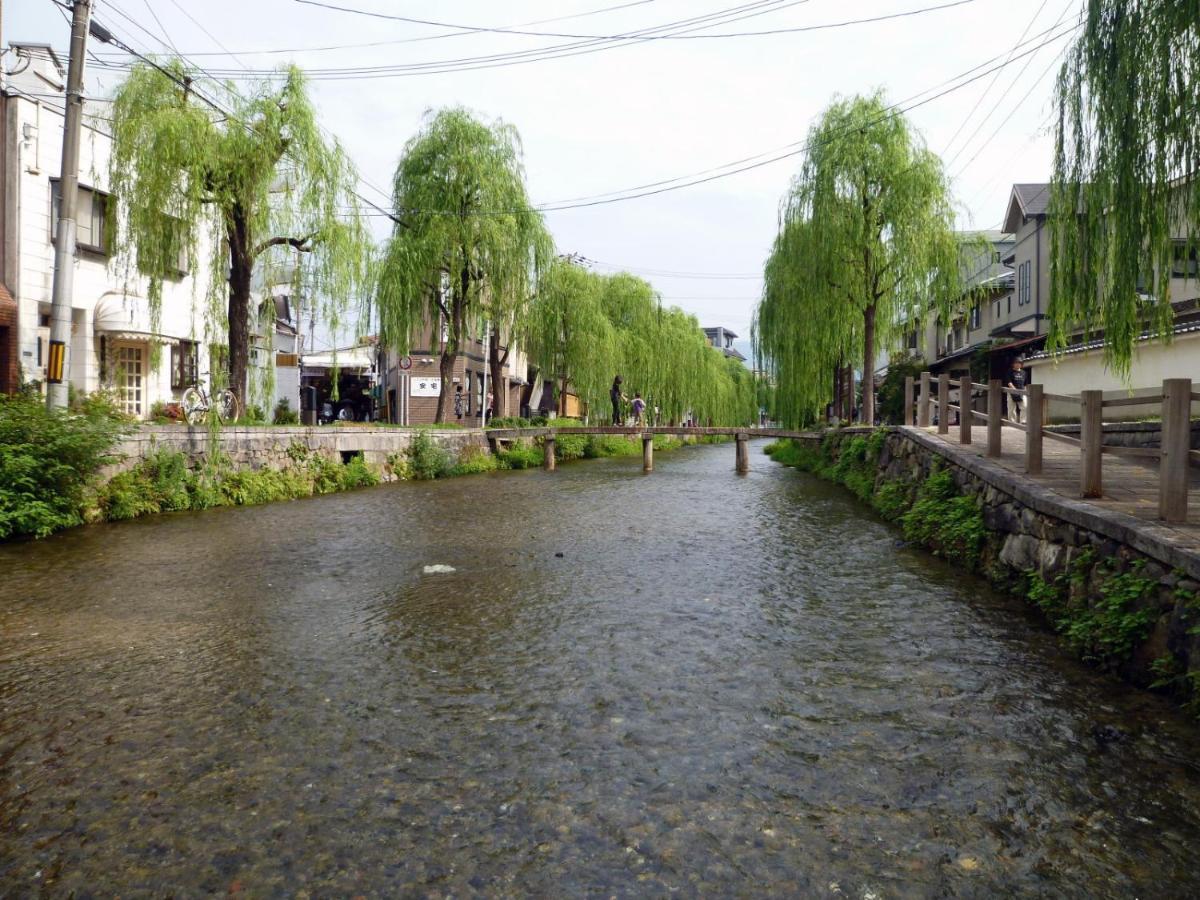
column 630, row 685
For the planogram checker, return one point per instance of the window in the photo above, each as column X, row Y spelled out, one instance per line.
column 976, row 316
column 185, row 364
column 995, row 257
column 1024, row 283
column 90, row 216
column 1183, row 261
column 128, row 365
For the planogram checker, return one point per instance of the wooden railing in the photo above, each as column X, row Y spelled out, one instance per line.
column 1174, row 454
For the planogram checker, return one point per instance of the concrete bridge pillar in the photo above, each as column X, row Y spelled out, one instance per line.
column 548, row 453
column 647, row 453
column 742, row 441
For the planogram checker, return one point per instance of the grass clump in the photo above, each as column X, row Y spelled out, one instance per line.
column 473, row 460
column 949, row 524
column 521, row 456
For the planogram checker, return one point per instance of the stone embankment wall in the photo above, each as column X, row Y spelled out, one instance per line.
column 268, row 447
column 1124, row 595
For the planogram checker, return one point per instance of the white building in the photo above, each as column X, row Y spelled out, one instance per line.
column 112, row 336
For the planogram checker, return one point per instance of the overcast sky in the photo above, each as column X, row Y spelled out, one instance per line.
column 633, row 114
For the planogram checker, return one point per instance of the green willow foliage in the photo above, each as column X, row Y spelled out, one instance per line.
column 585, row 327
column 225, row 190
column 1127, row 154
column 469, row 247
column 866, row 243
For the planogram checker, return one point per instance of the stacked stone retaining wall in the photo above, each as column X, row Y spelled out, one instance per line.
column 267, row 447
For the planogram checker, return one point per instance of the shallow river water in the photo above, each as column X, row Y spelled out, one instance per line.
column 688, row 682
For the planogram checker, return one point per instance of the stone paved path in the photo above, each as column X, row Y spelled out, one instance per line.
column 1130, row 485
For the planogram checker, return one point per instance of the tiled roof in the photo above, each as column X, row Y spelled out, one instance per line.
column 1035, row 198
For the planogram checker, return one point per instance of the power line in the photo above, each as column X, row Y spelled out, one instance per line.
column 561, row 51
column 481, row 29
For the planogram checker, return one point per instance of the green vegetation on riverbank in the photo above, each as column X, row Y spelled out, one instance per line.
column 48, row 459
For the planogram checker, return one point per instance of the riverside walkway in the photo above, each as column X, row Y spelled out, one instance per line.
column 1152, row 490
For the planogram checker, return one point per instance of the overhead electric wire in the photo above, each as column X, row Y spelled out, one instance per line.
column 554, row 51
column 367, row 44
column 482, row 29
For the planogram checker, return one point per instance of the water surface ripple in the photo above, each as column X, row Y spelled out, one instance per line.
column 722, row 686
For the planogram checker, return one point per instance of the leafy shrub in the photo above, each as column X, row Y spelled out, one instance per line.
column 472, row 460
column 326, row 474
column 47, row 460
column 508, row 422
column 284, row 414
column 426, row 459
column 948, row 524
column 356, row 474
column 570, row 446
column 253, row 415
column 521, row 456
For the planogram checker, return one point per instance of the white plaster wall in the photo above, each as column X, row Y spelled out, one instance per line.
column 1153, row 362
column 95, row 277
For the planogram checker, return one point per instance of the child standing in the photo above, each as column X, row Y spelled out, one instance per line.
column 639, row 405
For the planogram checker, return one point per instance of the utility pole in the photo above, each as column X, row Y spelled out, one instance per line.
column 58, row 369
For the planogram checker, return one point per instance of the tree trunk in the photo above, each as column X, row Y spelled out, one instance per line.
column 562, row 397
column 868, row 383
column 241, row 268
column 496, row 362
column 448, row 359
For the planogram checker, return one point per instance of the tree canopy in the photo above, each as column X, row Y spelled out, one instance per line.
column 866, row 245
column 585, row 328
column 231, row 184
column 468, row 246
column 1127, row 157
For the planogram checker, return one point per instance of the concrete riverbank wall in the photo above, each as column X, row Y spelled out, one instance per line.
column 1121, row 591
column 275, row 447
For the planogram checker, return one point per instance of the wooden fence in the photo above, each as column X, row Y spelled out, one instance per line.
column 1174, row 454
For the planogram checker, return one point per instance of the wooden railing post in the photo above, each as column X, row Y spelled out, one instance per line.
column 995, row 422
column 909, row 400
column 944, row 403
column 1034, row 417
column 647, row 453
column 923, row 402
column 743, row 453
column 548, row 453
column 1176, row 442
column 964, row 409
column 1091, row 440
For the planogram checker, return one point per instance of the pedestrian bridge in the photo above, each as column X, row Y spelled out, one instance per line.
column 741, row 436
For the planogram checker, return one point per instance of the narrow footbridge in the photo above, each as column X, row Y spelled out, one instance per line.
column 741, row 436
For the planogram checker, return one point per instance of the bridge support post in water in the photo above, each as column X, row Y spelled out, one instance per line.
column 1176, row 444
column 944, row 403
column 1091, row 440
column 995, row 417
column 923, row 402
column 548, row 453
column 965, row 412
column 647, row 453
column 743, row 452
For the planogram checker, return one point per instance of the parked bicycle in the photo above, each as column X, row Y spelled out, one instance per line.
column 196, row 403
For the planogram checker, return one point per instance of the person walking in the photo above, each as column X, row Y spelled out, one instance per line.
column 1016, row 381
column 615, row 395
column 639, row 406
column 458, row 402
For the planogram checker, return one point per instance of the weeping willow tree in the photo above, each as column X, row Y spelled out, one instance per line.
column 568, row 336
column 585, row 328
column 1126, row 183
column 468, row 247
column 866, row 244
column 193, row 182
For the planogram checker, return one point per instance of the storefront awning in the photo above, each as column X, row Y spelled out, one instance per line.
column 128, row 316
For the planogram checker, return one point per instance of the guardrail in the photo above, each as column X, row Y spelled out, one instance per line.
column 1174, row 454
